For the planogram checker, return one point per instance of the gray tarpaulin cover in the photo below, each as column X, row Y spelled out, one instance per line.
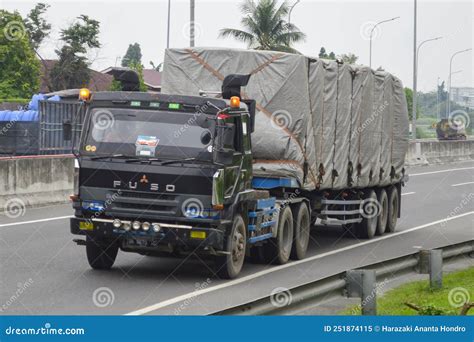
column 346, row 125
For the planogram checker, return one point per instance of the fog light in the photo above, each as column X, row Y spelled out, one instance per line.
column 156, row 227
column 146, row 226
column 127, row 226
column 117, row 223
column 136, row 225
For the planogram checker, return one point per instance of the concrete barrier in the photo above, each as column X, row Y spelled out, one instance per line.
column 34, row 181
column 424, row 152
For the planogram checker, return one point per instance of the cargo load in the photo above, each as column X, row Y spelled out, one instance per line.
column 328, row 124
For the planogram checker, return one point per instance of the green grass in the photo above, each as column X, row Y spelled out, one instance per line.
column 20, row 101
column 419, row 293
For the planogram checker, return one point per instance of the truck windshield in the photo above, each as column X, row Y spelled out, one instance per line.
column 146, row 133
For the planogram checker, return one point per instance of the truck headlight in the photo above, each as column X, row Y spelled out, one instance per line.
column 76, row 177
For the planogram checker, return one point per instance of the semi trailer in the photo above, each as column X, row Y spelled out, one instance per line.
column 242, row 153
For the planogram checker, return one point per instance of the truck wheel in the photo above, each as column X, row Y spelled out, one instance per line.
column 229, row 265
column 301, row 230
column 278, row 250
column 100, row 254
column 383, row 215
column 370, row 210
column 393, row 203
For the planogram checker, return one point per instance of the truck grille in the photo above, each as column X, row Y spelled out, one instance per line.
column 142, row 204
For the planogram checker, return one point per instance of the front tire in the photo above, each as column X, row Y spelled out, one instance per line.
column 301, row 231
column 230, row 265
column 100, row 254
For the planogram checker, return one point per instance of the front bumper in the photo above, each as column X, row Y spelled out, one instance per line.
column 170, row 235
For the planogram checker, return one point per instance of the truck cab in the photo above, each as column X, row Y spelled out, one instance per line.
column 160, row 174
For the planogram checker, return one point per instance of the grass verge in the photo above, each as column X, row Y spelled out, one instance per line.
column 458, row 288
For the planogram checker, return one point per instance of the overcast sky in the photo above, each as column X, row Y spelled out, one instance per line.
column 339, row 26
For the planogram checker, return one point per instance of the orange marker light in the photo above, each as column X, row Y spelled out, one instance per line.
column 84, row 94
column 234, row 102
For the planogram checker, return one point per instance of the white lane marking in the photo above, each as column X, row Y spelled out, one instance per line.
column 440, row 171
column 35, row 221
column 408, row 193
column 193, row 294
column 462, row 184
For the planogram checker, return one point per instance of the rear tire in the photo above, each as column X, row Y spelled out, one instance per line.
column 230, row 265
column 393, row 206
column 100, row 254
column 369, row 211
column 301, row 230
column 382, row 218
column 278, row 250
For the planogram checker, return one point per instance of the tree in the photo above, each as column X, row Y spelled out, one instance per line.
column 38, row 28
column 72, row 68
column 156, row 67
column 349, row 58
column 323, row 54
column 409, row 97
column 139, row 69
column 265, row 27
column 133, row 55
column 19, row 69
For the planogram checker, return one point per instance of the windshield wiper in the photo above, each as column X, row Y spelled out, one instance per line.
column 138, row 160
column 108, row 156
column 184, row 160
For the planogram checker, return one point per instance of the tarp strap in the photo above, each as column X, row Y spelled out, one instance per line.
column 220, row 77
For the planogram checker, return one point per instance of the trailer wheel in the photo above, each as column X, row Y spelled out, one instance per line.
column 230, row 265
column 278, row 250
column 100, row 254
column 370, row 210
column 393, row 203
column 382, row 218
column 301, row 228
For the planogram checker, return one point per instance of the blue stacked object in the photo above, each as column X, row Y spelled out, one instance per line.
column 29, row 115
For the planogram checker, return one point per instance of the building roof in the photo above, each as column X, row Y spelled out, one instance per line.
column 151, row 77
column 98, row 81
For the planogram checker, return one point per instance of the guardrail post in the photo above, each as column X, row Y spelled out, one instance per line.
column 431, row 262
column 361, row 283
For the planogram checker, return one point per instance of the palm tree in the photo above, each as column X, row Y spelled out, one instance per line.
column 265, row 27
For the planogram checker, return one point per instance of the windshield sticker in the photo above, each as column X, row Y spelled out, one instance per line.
column 146, row 145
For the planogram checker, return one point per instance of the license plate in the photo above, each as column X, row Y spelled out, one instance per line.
column 86, row 225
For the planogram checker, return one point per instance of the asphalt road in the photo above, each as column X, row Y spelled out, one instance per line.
column 43, row 272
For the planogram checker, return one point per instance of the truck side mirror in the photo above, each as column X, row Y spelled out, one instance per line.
column 67, row 130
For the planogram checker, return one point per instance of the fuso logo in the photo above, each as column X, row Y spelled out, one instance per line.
column 143, row 180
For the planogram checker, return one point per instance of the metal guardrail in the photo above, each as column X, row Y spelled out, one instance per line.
column 360, row 283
